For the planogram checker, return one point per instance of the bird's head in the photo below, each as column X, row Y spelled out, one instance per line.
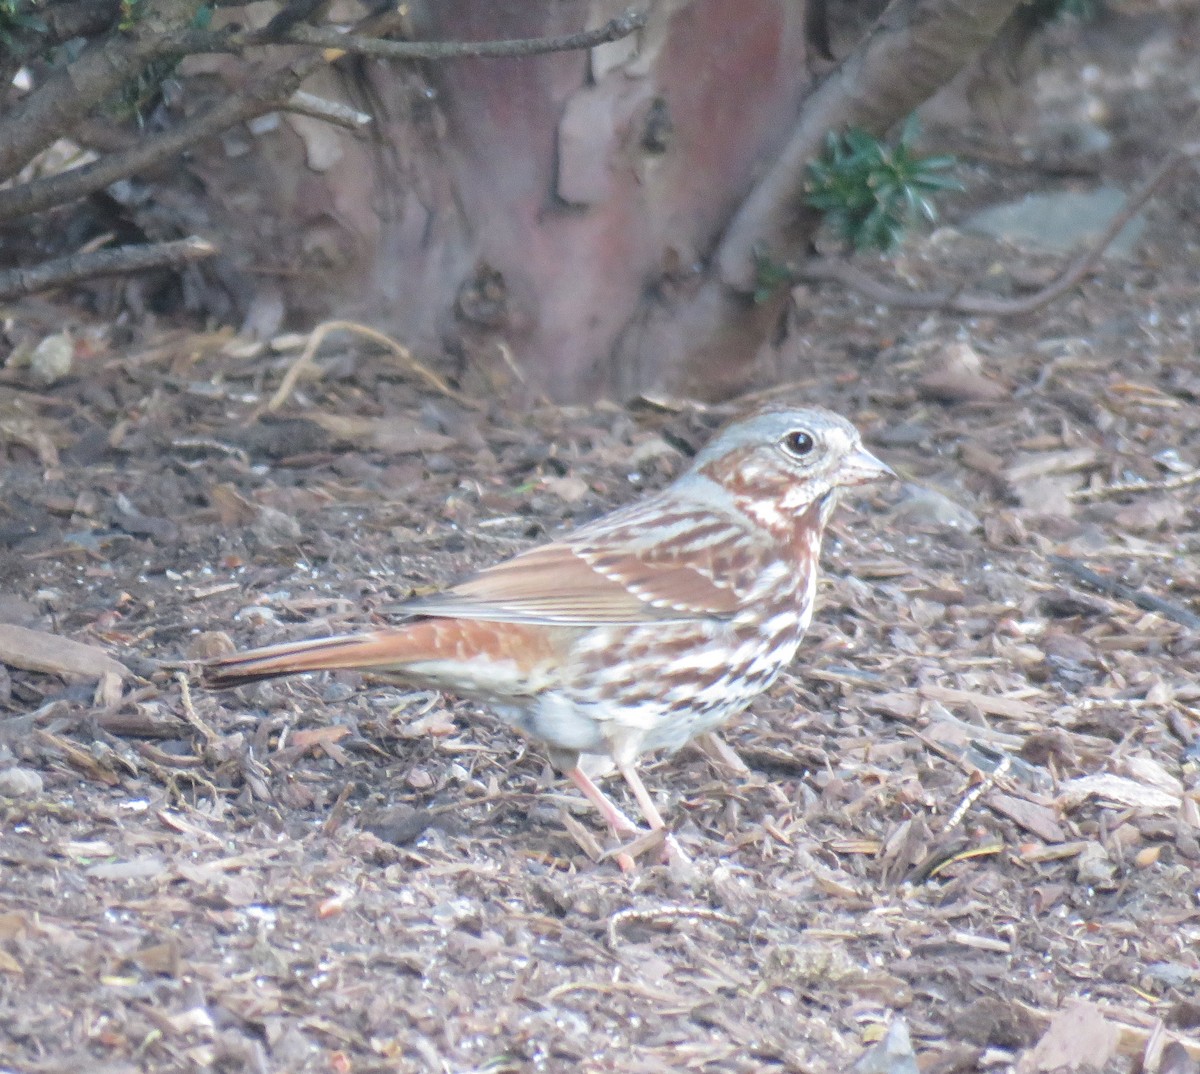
column 780, row 461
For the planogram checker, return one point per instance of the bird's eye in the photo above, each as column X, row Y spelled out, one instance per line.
column 798, row 443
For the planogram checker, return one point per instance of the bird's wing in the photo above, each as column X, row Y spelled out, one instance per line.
column 633, row 567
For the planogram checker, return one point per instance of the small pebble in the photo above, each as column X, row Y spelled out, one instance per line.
column 209, row 645
column 927, row 506
column 275, row 528
column 17, row 782
column 1094, row 868
column 51, row 359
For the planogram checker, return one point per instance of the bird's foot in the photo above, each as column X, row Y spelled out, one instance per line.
column 657, row 837
column 612, row 815
column 669, row 850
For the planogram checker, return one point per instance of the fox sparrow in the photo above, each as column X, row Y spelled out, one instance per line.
column 643, row 628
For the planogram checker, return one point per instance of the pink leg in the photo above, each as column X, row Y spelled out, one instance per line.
column 615, row 819
column 642, row 796
column 670, row 849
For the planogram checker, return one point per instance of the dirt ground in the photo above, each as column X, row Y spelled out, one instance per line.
column 972, row 812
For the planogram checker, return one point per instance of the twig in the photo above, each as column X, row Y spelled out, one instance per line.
column 518, row 372
column 613, row 30
column 208, row 443
column 975, row 793
column 510, row 360
column 1146, row 601
column 337, row 811
column 114, row 262
column 361, row 44
column 954, row 301
column 665, row 913
column 72, row 90
column 305, row 361
column 341, row 115
column 268, row 94
column 1122, row 488
column 657, row 996
column 211, row 738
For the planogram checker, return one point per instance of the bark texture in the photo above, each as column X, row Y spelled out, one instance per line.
column 596, row 213
column 572, row 184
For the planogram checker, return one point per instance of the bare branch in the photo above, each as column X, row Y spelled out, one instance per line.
column 61, row 103
column 119, row 261
column 305, row 362
column 57, row 106
column 954, row 301
column 361, row 44
column 1125, row 488
column 613, row 30
column 266, row 95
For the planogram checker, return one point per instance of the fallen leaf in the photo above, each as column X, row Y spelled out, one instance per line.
column 163, row 958
column 13, row 924
column 1118, row 790
column 1078, row 1038
column 135, row 869
column 18, row 782
column 956, row 375
column 1045, row 497
column 391, row 435
column 930, row 507
column 892, row 1054
column 1149, row 772
column 1034, row 818
column 233, row 509
column 989, row 704
column 108, row 691
column 570, row 489
column 318, row 736
column 38, row 650
column 1044, row 463
column 80, row 758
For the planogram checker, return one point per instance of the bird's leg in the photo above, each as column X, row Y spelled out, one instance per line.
column 642, row 796
column 615, row 819
column 618, row 821
column 671, row 848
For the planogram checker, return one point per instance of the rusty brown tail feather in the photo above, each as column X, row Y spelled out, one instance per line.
column 295, row 658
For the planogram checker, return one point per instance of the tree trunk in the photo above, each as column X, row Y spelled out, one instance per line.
column 596, row 213
column 575, row 184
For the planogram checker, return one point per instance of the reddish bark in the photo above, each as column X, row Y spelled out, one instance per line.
column 596, row 213
column 582, row 192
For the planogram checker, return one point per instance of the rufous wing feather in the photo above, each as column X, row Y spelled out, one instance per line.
column 586, row 584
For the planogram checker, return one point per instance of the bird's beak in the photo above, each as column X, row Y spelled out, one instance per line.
column 861, row 467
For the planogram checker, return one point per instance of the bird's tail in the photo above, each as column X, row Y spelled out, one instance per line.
column 380, row 649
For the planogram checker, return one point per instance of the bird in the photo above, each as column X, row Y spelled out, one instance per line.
column 637, row 631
